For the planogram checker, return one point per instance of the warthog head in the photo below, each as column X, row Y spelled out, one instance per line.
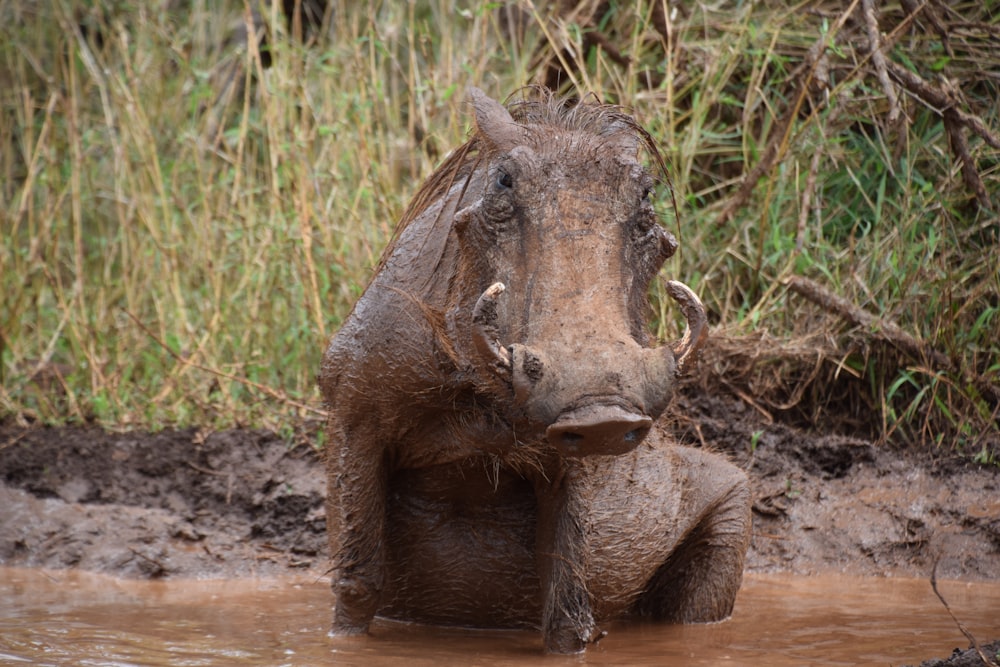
column 563, row 243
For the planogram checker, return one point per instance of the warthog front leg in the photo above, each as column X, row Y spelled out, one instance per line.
column 699, row 581
column 567, row 617
column 355, row 511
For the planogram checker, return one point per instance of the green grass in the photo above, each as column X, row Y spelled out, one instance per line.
column 153, row 229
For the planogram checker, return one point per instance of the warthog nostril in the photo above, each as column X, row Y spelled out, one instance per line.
column 636, row 435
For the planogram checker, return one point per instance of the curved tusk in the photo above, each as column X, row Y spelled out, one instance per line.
column 484, row 328
column 687, row 348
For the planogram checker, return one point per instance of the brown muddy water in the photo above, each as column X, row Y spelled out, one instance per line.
column 67, row 617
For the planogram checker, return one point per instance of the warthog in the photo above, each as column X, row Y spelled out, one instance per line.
column 493, row 458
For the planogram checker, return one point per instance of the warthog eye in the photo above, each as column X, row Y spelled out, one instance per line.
column 504, row 180
column 647, row 194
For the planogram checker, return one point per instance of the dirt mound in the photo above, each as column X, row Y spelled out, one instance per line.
column 834, row 502
column 171, row 503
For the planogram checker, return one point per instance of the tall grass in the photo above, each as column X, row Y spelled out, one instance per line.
column 150, row 227
column 154, row 227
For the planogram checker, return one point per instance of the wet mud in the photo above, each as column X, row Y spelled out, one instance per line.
column 189, row 503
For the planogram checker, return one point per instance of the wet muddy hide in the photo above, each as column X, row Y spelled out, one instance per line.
column 493, row 456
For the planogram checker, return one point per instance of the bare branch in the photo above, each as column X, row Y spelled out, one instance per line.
column 878, row 58
column 887, row 331
column 939, row 101
column 961, row 148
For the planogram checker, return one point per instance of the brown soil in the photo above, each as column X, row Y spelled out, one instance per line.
column 238, row 503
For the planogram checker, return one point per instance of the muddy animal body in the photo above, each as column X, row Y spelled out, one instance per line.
column 493, row 454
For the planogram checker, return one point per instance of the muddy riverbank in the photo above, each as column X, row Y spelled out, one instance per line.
column 183, row 503
column 229, row 503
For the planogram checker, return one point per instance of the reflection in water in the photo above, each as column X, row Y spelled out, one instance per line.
column 67, row 617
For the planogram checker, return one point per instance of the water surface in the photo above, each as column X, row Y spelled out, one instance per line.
column 68, row 617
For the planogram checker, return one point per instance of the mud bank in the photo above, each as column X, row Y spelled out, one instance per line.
column 189, row 502
column 242, row 503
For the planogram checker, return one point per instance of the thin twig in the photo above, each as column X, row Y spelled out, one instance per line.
column 878, row 58
column 960, row 146
column 749, row 400
column 945, row 103
column 807, row 196
column 810, row 188
column 273, row 393
column 889, row 332
column 940, row 99
column 206, row 471
column 911, row 8
column 961, row 626
column 161, row 568
column 13, row 441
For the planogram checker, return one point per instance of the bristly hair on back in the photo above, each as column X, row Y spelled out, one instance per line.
column 538, row 106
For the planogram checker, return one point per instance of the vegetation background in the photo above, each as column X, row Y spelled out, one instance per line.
column 193, row 193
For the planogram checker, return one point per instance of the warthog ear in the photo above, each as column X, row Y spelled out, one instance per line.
column 494, row 122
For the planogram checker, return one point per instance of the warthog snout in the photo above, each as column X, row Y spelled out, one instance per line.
column 598, row 429
column 599, row 398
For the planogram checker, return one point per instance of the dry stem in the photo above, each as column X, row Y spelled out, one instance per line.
column 778, row 143
column 961, row 626
column 878, row 58
column 273, row 393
